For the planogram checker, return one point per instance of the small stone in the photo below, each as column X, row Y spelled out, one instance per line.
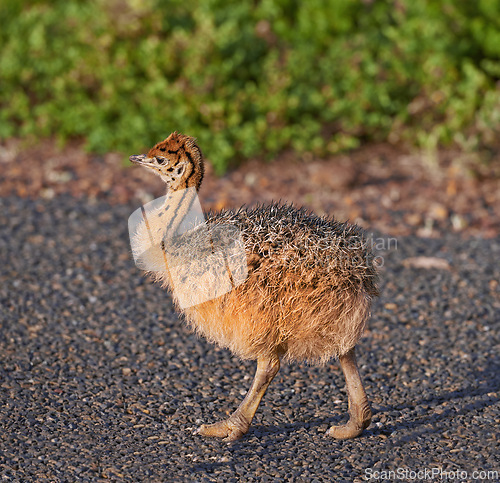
column 414, row 219
column 438, row 212
column 458, row 222
column 427, row 263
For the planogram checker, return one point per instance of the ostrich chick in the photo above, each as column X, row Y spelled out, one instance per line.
column 306, row 296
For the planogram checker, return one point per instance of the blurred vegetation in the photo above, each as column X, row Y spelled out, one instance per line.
column 251, row 78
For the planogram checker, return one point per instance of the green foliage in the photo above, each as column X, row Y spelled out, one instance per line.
column 251, row 78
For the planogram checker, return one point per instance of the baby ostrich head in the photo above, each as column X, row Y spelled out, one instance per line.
column 177, row 160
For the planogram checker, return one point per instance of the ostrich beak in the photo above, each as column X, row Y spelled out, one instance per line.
column 140, row 159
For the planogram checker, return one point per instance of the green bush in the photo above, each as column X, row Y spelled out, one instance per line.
column 251, row 78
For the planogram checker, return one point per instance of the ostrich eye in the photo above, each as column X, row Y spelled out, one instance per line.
column 161, row 160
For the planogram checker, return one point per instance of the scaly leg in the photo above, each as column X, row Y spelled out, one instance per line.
column 238, row 423
column 360, row 414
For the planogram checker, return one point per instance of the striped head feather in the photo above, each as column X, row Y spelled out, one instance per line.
column 177, row 160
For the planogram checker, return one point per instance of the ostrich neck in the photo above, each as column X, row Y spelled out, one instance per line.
column 178, row 210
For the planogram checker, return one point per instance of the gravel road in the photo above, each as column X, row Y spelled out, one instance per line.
column 100, row 380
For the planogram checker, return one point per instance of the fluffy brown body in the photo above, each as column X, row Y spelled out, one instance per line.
column 308, row 289
column 307, row 296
